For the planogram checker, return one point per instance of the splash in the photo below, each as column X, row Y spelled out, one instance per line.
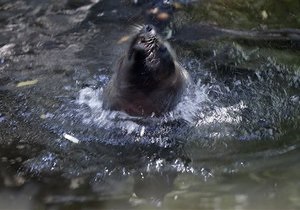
column 186, row 110
column 104, row 118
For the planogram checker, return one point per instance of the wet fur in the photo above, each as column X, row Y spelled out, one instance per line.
column 147, row 79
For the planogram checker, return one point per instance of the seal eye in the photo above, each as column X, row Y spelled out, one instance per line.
column 148, row 28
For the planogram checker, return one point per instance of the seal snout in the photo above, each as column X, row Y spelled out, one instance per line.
column 148, row 32
column 146, row 41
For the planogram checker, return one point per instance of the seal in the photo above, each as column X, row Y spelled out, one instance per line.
column 147, row 80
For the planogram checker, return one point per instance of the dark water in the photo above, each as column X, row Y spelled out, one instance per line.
column 231, row 143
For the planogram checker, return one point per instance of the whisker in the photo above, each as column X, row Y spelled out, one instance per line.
column 135, row 28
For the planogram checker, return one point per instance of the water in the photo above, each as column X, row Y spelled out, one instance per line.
column 231, row 143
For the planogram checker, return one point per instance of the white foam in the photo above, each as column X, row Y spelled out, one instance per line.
column 104, row 118
column 191, row 109
column 191, row 104
column 224, row 115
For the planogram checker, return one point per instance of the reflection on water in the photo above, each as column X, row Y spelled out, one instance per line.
column 231, row 143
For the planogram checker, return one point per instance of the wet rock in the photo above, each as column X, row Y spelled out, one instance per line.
column 4, row 2
column 3, row 81
column 4, row 16
column 120, row 11
column 225, row 14
column 4, row 38
column 59, row 71
column 49, row 45
column 57, row 23
column 74, row 4
column 48, row 162
column 7, row 50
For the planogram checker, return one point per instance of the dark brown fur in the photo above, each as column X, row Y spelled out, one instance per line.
column 148, row 79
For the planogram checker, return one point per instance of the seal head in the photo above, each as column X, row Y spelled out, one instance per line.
column 153, row 60
column 147, row 79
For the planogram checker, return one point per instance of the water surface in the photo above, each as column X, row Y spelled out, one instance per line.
column 231, row 143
